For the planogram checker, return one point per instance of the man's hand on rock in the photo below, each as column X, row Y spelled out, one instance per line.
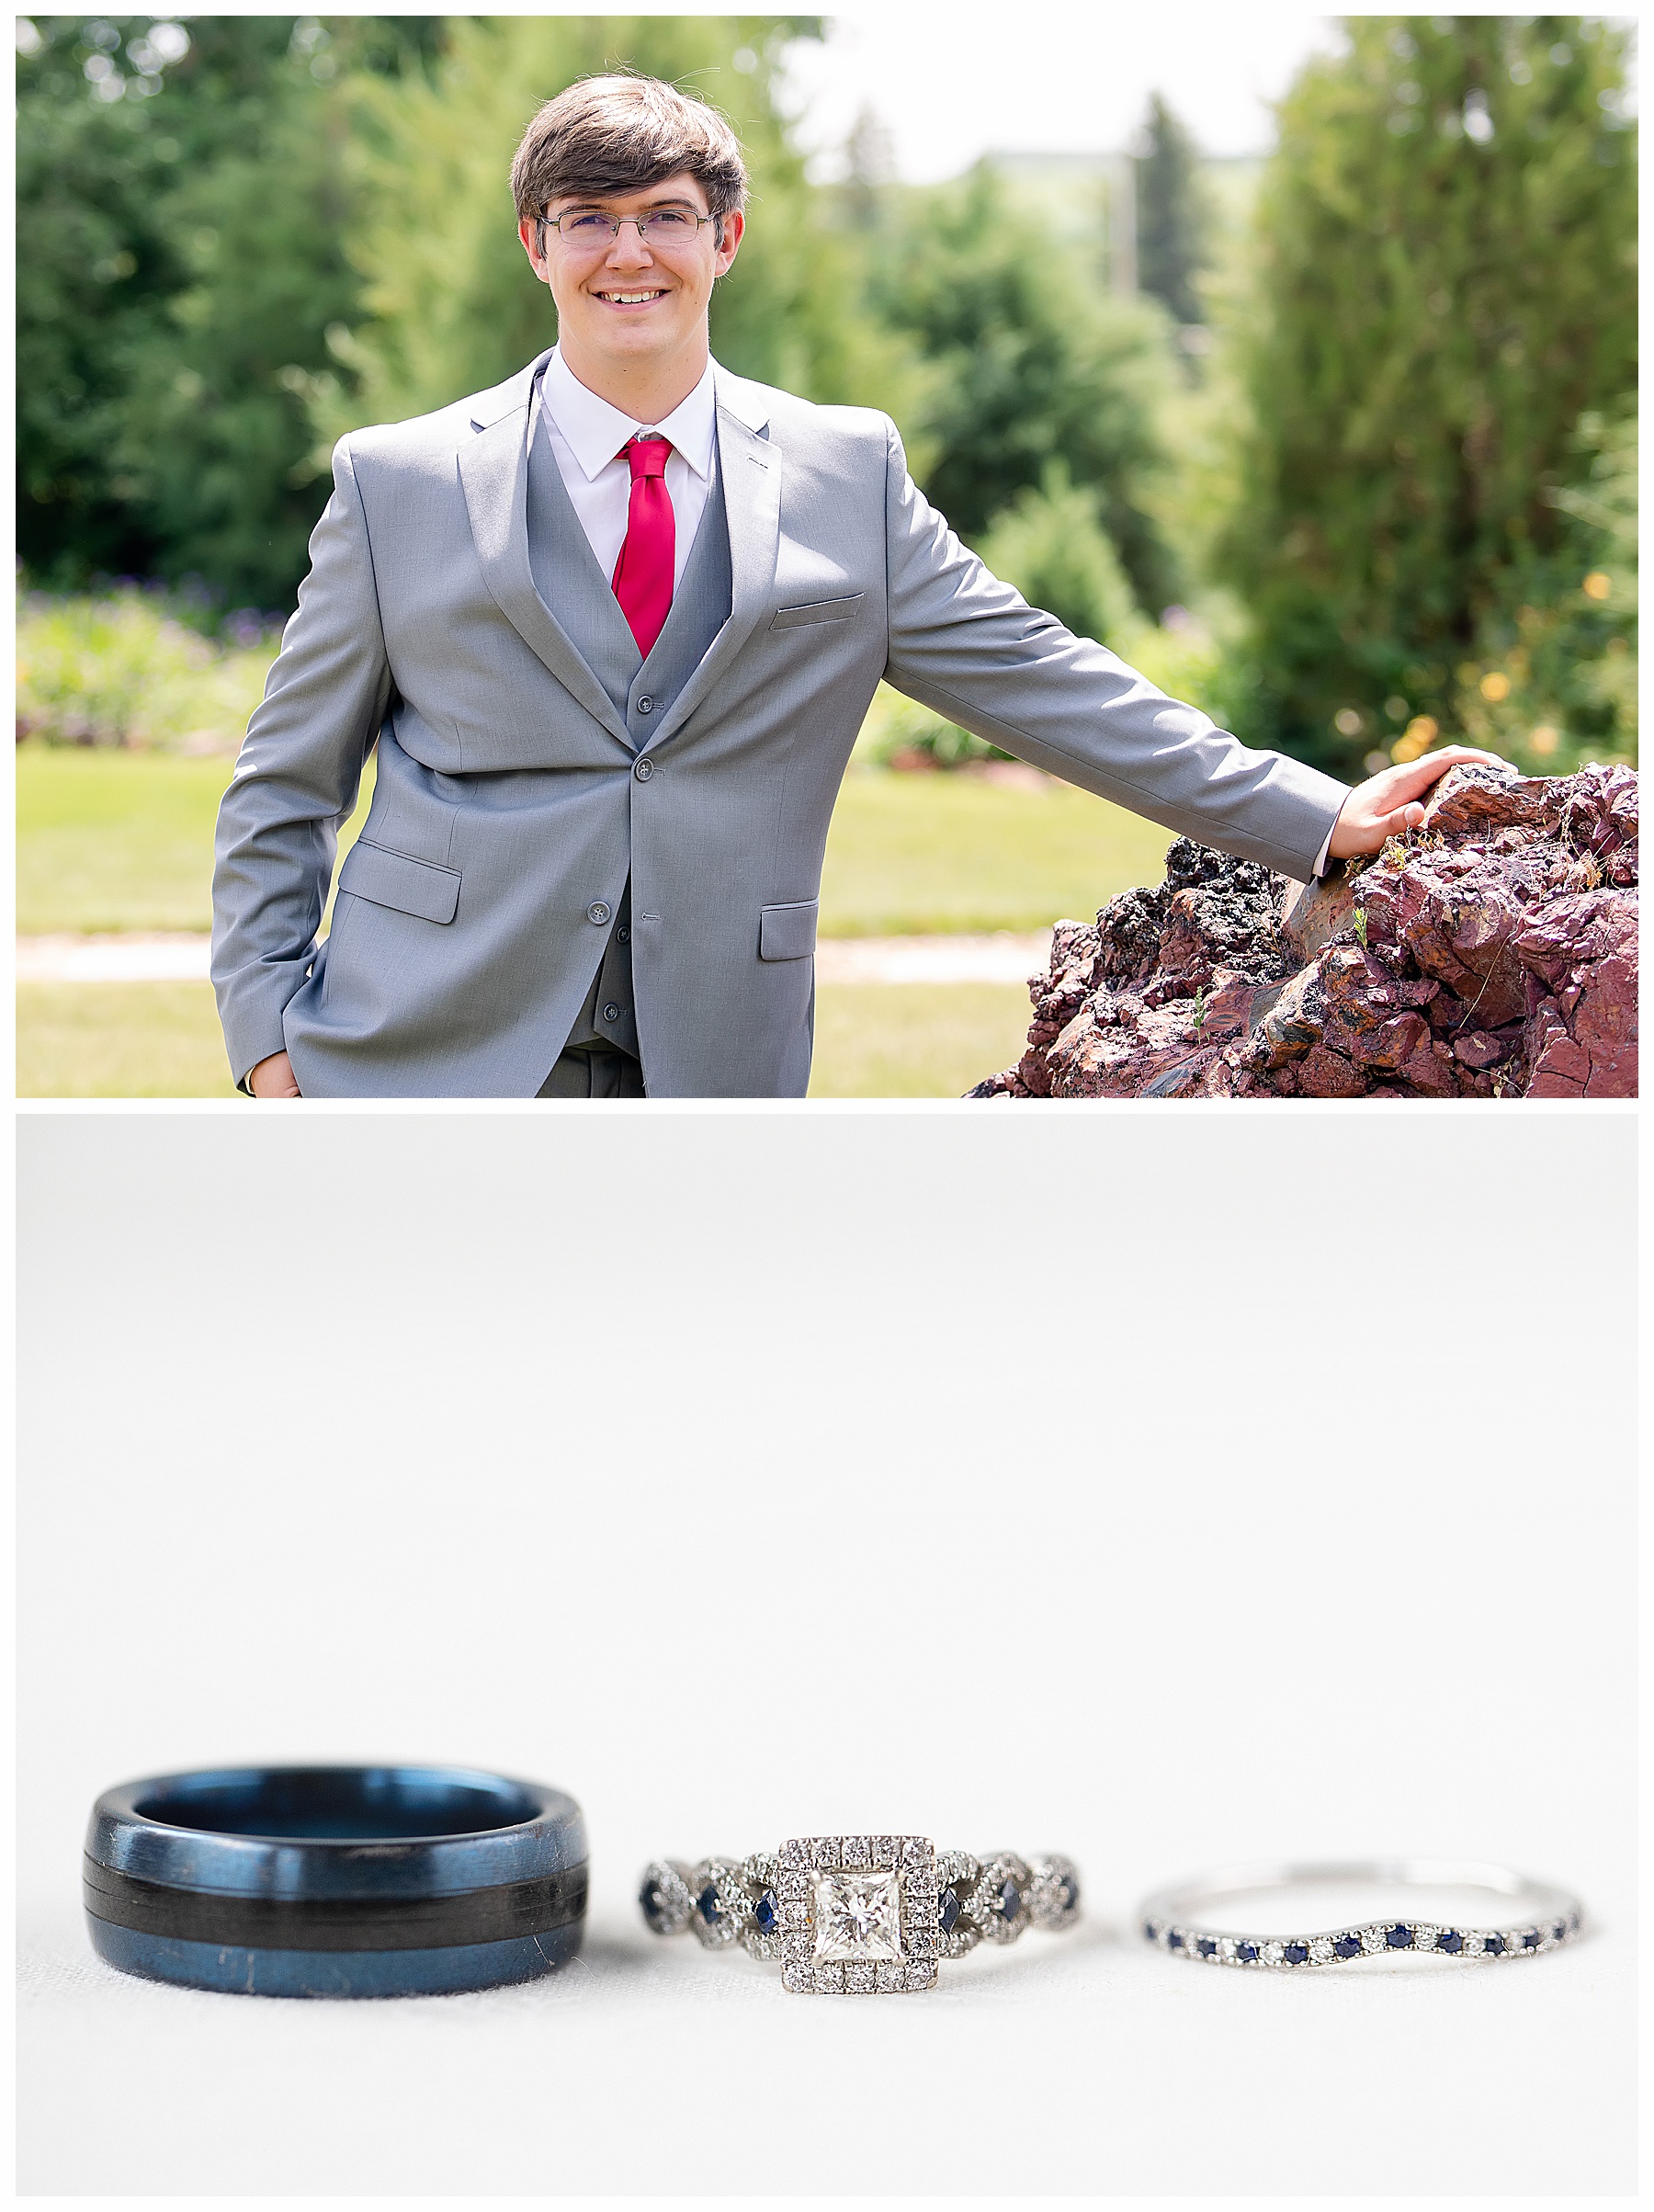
column 273, row 1078
column 1389, row 802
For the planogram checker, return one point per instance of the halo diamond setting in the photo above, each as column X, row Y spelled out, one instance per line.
column 859, row 1915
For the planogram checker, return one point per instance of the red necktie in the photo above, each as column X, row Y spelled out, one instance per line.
column 643, row 572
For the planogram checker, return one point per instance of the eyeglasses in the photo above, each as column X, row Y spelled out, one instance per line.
column 667, row 227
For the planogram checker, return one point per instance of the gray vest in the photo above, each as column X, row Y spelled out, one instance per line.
column 577, row 593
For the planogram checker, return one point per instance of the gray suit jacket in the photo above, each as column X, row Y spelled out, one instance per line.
column 514, row 795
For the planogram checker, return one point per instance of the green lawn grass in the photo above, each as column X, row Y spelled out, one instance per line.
column 914, row 1040
column 109, row 841
column 922, row 854
column 162, row 1040
column 119, row 1040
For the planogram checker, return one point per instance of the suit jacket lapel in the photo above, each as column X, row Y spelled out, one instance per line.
column 750, row 469
column 493, row 475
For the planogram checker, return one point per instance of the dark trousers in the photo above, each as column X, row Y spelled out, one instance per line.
column 593, row 1073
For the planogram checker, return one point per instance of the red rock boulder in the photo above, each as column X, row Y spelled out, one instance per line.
column 1490, row 953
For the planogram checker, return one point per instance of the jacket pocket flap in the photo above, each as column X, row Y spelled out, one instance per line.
column 787, row 933
column 819, row 610
column 412, row 887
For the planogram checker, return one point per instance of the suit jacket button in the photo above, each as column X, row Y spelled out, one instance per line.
column 643, row 770
column 611, row 1013
column 646, row 705
column 597, row 913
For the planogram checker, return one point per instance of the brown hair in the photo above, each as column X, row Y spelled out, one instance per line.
column 604, row 136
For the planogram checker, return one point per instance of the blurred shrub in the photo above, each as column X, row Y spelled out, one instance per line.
column 901, row 733
column 123, row 670
column 1191, row 661
column 1446, row 242
column 1030, row 361
column 1051, row 545
column 1552, row 678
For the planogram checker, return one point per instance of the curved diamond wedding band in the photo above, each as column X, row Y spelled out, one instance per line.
column 859, row 1915
column 1535, row 1918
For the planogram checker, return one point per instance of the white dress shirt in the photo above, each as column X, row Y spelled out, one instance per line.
column 587, row 436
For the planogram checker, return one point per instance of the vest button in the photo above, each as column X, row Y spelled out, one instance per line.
column 623, row 934
column 643, row 770
column 611, row 1013
column 646, row 705
column 597, row 913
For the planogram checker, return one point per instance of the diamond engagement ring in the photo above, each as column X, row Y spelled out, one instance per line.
column 859, row 1915
column 1521, row 1918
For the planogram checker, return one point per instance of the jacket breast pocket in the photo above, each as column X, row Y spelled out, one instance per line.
column 818, row 610
column 787, row 933
column 397, row 880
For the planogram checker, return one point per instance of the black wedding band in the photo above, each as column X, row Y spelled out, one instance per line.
column 335, row 1881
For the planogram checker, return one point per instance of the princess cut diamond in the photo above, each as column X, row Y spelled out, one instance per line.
column 857, row 1916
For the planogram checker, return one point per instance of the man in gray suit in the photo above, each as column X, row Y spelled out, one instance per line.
column 614, row 627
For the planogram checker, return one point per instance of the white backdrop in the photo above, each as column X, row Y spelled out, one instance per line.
column 1257, row 1484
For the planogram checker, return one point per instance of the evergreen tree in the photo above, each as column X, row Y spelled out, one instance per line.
column 1445, row 240
column 1026, row 371
column 181, row 206
column 1171, row 216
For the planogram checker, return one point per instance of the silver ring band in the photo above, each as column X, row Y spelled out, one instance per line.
column 859, row 1915
column 1536, row 1916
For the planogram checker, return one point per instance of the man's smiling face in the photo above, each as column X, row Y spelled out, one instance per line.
column 626, row 299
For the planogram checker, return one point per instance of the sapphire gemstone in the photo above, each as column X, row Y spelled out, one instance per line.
column 1295, row 1954
column 1174, row 1941
column 1530, row 1941
column 654, row 1904
column 1246, row 1952
column 706, row 1903
column 765, row 1913
column 1399, row 1937
column 947, row 1910
column 1348, row 1946
column 1559, row 1930
column 1008, row 1903
column 1068, row 1893
column 1150, row 1931
column 1207, row 1947
column 1493, row 1944
column 1450, row 1940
